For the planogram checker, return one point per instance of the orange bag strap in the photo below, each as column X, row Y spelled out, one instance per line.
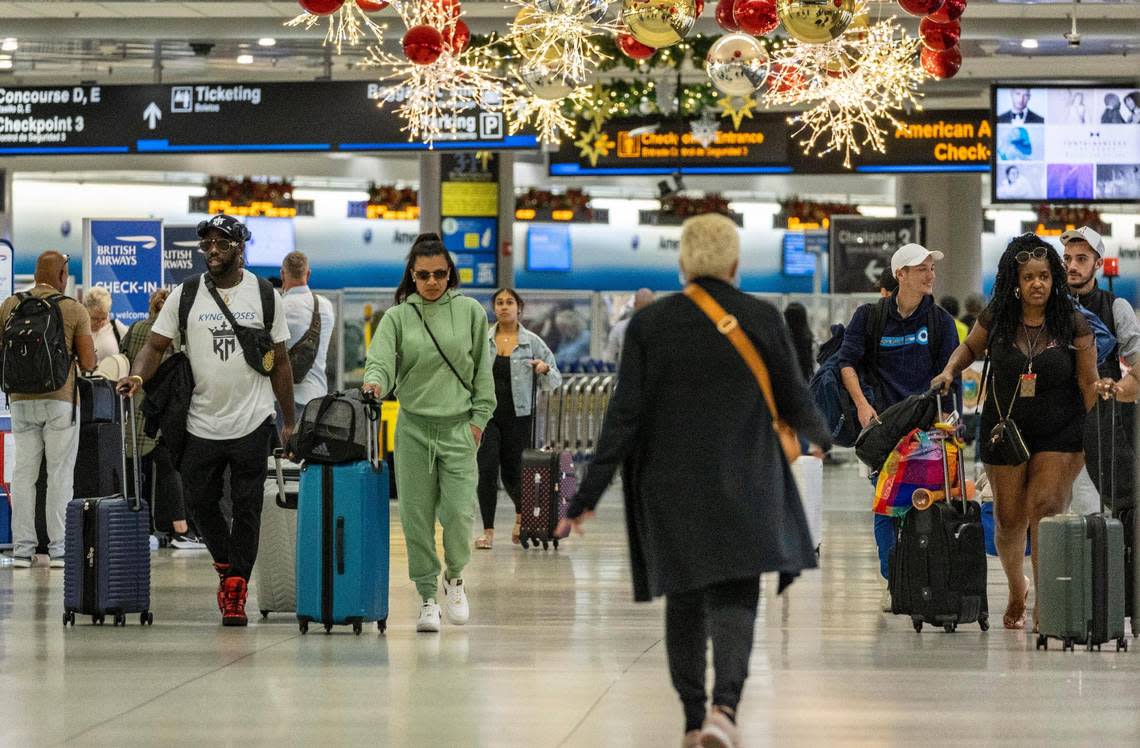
column 728, row 326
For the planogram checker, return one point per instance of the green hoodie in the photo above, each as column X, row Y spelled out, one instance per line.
column 403, row 356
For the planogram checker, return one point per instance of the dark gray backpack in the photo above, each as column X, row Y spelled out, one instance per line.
column 335, row 428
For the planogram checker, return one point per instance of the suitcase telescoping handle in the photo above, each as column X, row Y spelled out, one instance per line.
column 375, row 429
column 279, row 474
column 127, row 412
column 946, row 439
column 1100, row 456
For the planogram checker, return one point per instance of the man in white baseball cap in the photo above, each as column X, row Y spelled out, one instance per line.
column 1084, row 256
column 891, row 350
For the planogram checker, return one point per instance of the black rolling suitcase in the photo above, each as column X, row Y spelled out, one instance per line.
column 107, row 553
column 938, row 564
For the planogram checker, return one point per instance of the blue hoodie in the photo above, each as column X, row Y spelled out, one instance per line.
column 906, row 363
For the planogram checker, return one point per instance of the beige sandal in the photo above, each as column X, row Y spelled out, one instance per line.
column 483, row 542
column 517, row 529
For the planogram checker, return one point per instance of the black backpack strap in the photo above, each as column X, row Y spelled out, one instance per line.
column 185, row 302
column 934, row 332
column 268, row 303
column 871, row 343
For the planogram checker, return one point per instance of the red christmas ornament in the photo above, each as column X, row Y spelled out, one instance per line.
column 756, row 17
column 724, row 15
column 942, row 64
column 372, row 6
column 920, row 7
column 788, row 78
column 951, row 10
column 700, row 8
column 321, row 7
column 457, row 37
column 634, row 49
column 423, row 45
column 939, row 36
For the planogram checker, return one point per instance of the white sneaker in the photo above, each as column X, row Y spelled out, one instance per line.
column 885, row 599
column 57, row 562
column 429, row 617
column 455, row 600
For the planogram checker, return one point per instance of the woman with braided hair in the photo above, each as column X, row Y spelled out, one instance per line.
column 1044, row 379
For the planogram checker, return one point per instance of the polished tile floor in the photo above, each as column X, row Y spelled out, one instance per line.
column 556, row 655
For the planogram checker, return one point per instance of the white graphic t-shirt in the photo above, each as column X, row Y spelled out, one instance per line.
column 230, row 399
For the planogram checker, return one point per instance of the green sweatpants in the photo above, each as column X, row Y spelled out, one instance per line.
column 436, row 475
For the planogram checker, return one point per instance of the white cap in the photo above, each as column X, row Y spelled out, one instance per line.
column 909, row 255
column 1084, row 234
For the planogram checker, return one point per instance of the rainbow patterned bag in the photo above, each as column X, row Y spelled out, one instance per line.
column 915, row 463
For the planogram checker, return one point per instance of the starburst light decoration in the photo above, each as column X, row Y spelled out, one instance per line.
column 562, row 36
column 547, row 115
column 853, row 89
column 439, row 99
column 347, row 26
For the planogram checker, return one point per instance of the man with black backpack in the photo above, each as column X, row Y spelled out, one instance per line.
column 44, row 335
column 894, row 348
column 233, row 329
column 311, row 321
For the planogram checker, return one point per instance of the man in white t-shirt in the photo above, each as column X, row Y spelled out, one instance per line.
column 230, row 423
column 298, row 300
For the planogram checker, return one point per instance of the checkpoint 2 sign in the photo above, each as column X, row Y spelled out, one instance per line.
column 860, row 249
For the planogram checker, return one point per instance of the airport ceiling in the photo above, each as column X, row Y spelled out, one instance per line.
column 64, row 41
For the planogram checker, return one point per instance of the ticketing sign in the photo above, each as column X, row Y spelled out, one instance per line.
column 226, row 118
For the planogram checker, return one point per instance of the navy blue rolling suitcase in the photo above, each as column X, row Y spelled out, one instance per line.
column 107, row 553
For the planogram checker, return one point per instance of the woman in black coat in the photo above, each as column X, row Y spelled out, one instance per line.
column 710, row 499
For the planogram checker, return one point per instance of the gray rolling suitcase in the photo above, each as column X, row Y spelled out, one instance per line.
column 1080, row 570
column 275, row 572
column 107, row 552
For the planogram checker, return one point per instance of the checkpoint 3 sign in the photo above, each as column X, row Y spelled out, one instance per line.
column 226, row 118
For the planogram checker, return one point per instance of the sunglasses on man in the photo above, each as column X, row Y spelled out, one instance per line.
column 221, row 245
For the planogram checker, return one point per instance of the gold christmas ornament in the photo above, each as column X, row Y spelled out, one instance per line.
column 659, row 23
column 529, row 37
column 815, row 21
column 737, row 64
column 543, row 83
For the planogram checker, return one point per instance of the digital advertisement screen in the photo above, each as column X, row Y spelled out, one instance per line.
column 271, row 239
column 548, row 248
column 800, row 251
column 1066, row 143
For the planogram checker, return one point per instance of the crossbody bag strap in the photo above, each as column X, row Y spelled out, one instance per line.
column 222, row 306
column 442, row 355
column 728, row 326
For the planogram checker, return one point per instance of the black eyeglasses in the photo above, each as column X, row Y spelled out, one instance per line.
column 437, row 274
column 1025, row 255
column 221, row 244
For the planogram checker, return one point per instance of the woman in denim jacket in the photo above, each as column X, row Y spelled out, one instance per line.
column 520, row 358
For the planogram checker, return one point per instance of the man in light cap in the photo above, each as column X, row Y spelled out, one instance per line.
column 1084, row 256
column 892, row 349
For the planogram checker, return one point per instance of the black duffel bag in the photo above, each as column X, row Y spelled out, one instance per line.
column 98, row 400
column 335, row 428
column 883, row 434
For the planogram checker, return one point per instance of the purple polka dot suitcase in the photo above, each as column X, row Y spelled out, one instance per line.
column 548, row 485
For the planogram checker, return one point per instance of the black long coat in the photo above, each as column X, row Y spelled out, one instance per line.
column 708, row 494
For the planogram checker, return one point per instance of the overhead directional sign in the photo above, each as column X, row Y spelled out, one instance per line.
column 226, row 118
column 860, row 249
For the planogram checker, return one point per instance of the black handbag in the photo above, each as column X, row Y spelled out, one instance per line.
column 882, row 435
column 1005, row 438
column 256, row 343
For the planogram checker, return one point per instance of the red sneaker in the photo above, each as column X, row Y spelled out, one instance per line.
column 233, row 593
column 222, row 570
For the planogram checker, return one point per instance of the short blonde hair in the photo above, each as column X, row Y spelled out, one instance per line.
column 98, row 298
column 710, row 246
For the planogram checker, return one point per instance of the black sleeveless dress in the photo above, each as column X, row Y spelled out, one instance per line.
column 1053, row 419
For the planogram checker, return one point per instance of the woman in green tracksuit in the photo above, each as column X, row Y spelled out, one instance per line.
column 447, row 395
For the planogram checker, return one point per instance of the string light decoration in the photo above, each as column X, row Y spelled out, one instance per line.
column 437, row 99
column 348, row 25
column 562, row 36
column 854, row 89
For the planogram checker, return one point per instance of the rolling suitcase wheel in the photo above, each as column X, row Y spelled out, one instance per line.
column 984, row 623
column 1121, row 644
column 264, row 614
column 949, row 628
column 328, row 628
column 96, row 620
column 357, row 628
column 555, row 541
column 303, row 626
column 120, row 619
column 382, row 625
column 917, row 624
column 146, row 618
column 1067, row 644
column 1042, row 642
column 545, row 545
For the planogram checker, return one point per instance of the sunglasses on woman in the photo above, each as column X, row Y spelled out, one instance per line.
column 423, row 275
column 1025, row 255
